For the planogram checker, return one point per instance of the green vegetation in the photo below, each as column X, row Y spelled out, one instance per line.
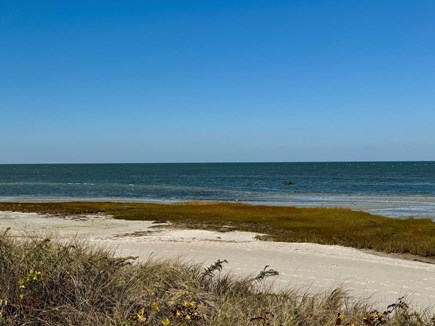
column 44, row 282
column 290, row 224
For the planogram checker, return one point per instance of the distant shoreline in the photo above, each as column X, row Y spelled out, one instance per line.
column 388, row 206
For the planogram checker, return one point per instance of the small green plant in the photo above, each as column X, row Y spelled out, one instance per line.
column 23, row 283
column 210, row 270
column 376, row 318
column 266, row 272
column 32, row 276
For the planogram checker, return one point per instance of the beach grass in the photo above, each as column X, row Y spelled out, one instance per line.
column 46, row 282
column 334, row 226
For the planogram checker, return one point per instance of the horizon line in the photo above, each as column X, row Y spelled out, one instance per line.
column 223, row 162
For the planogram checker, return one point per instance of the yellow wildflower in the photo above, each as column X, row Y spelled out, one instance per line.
column 140, row 316
column 340, row 318
column 189, row 304
column 155, row 307
column 165, row 321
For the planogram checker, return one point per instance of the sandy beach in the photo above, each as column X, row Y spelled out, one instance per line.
column 305, row 266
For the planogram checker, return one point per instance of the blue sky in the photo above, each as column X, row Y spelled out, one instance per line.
column 216, row 81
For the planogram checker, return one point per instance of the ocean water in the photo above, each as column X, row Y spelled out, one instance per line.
column 396, row 189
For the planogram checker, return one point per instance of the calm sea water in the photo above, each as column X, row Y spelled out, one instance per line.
column 389, row 188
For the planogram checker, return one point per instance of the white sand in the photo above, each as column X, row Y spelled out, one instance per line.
column 304, row 266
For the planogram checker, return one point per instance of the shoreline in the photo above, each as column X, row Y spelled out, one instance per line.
column 400, row 207
column 307, row 266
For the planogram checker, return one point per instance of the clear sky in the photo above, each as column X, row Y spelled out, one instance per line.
column 214, row 81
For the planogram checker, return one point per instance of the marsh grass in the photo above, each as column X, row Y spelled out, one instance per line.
column 336, row 226
column 46, row 282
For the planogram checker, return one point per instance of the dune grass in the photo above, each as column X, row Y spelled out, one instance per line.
column 337, row 226
column 46, row 282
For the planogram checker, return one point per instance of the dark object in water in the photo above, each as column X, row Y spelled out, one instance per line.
column 288, row 182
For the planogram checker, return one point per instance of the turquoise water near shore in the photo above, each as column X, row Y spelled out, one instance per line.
column 396, row 189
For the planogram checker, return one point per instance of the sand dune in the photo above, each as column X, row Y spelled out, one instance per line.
column 305, row 266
